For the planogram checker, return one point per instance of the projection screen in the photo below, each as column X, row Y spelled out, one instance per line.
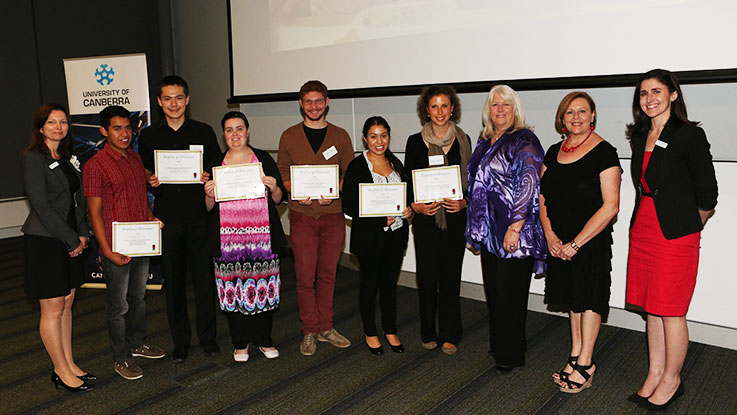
column 355, row 44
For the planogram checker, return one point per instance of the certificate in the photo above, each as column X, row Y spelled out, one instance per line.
column 437, row 183
column 239, row 181
column 381, row 199
column 178, row 166
column 314, row 181
column 137, row 238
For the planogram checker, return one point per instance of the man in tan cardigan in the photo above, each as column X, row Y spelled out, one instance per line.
column 317, row 226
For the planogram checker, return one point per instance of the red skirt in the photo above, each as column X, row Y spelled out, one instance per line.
column 661, row 273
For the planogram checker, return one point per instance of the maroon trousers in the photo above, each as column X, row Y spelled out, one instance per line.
column 317, row 245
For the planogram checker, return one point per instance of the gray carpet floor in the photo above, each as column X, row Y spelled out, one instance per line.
column 334, row 381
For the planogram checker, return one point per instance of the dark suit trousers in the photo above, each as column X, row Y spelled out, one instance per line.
column 439, row 257
column 507, row 288
column 379, row 274
column 183, row 252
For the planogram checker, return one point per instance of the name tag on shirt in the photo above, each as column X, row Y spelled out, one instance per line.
column 54, row 165
column 329, row 152
column 196, row 147
column 437, row 160
column 661, row 144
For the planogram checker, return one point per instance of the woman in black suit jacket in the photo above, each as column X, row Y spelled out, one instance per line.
column 378, row 242
column 56, row 232
column 677, row 192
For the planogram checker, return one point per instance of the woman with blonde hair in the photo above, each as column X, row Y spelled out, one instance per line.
column 504, row 220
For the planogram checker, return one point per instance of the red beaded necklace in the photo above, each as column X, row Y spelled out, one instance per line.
column 572, row 149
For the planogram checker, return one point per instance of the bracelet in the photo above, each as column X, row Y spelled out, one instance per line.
column 510, row 228
column 574, row 245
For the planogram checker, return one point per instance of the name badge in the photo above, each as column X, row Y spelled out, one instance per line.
column 437, row 160
column 661, row 144
column 329, row 152
column 196, row 147
column 54, row 165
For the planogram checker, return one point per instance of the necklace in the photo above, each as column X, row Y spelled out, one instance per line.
column 571, row 149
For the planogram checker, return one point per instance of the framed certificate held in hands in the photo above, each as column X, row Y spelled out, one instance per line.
column 381, row 199
column 314, row 181
column 437, row 183
column 239, row 181
column 178, row 166
column 137, row 238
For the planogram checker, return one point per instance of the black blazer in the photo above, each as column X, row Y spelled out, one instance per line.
column 365, row 232
column 278, row 239
column 681, row 177
column 48, row 193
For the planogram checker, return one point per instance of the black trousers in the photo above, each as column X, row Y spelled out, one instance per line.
column 254, row 328
column 183, row 251
column 507, row 287
column 379, row 274
column 439, row 257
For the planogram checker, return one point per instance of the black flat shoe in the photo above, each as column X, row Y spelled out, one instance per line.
column 395, row 349
column 504, row 368
column 212, row 349
column 179, row 355
column 637, row 398
column 88, row 377
column 649, row 406
column 375, row 350
column 56, row 380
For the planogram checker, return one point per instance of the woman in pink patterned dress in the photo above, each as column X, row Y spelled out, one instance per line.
column 245, row 240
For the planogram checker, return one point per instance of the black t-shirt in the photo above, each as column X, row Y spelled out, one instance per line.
column 316, row 136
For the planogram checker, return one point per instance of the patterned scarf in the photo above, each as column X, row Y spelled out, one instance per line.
column 435, row 148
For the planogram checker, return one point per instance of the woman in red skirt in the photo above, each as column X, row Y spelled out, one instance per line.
column 677, row 192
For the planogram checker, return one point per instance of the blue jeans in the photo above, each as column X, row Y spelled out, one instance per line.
column 126, row 306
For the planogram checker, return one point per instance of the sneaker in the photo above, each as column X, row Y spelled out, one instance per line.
column 148, row 351
column 333, row 337
column 308, row 345
column 128, row 370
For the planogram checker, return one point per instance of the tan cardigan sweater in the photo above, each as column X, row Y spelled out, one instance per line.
column 295, row 149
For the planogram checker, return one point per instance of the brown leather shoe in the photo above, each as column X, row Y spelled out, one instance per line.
column 128, row 370
column 148, row 351
column 333, row 337
column 308, row 345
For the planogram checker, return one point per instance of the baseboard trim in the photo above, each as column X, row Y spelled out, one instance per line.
column 698, row 332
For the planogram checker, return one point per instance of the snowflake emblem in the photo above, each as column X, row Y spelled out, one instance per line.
column 104, row 74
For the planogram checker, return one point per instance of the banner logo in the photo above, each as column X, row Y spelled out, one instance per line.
column 104, row 74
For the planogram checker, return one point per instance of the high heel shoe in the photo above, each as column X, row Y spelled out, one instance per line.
column 87, row 377
column 375, row 350
column 56, row 380
column 576, row 387
column 395, row 349
column 562, row 374
column 649, row 406
column 637, row 398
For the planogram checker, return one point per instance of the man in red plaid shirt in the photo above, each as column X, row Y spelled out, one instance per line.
column 115, row 187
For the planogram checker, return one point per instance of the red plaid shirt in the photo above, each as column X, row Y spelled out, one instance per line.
column 121, row 183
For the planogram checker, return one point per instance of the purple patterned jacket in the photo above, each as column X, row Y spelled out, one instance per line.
column 504, row 187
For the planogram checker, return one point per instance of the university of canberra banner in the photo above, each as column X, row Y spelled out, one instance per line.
column 93, row 84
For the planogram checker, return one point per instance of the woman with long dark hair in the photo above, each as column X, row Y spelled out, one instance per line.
column 379, row 242
column 676, row 193
column 56, row 232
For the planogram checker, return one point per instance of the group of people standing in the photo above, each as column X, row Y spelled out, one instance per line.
column 524, row 211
